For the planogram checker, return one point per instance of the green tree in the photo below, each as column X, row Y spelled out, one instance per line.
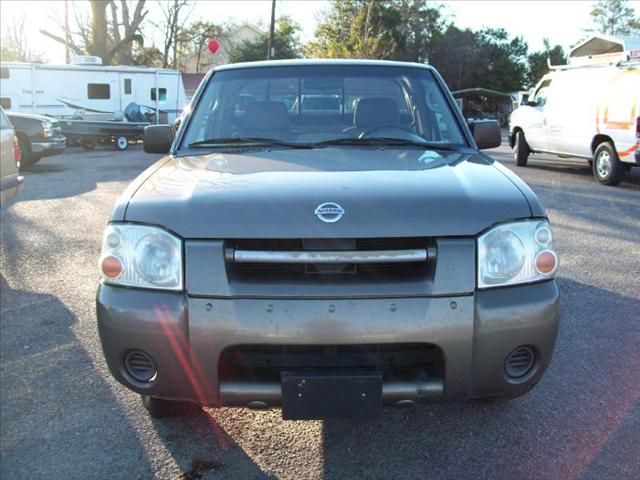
column 615, row 17
column 537, row 61
column 389, row 29
column 488, row 58
column 286, row 44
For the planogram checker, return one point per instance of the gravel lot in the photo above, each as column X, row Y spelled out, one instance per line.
column 63, row 416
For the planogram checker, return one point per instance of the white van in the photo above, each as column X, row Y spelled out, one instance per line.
column 589, row 110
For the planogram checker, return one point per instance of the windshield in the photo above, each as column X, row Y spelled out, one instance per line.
column 319, row 105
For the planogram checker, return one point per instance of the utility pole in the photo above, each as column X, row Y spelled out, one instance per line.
column 271, row 49
column 67, row 56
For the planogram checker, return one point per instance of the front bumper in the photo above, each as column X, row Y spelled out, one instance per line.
column 186, row 337
column 50, row 146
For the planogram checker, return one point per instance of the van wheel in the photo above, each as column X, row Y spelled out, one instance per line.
column 521, row 150
column 121, row 143
column 160, row 408
column 607, row 167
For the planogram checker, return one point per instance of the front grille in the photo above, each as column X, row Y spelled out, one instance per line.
column 264, row 362
column 361, row 245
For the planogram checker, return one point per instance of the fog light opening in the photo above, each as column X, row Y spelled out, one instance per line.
column 140, row 366
column 519, row 362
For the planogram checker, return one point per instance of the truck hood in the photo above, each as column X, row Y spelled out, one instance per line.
column 275, row 193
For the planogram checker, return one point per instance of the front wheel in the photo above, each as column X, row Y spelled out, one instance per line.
column 607, row 167
column 161, row 408
column 121, row 143
column 520, row 150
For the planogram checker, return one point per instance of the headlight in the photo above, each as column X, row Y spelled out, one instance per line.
column 519, row 252
column 140, row 256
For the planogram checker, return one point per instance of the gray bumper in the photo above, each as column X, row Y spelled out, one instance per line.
column 50, row 147
column 186, row 336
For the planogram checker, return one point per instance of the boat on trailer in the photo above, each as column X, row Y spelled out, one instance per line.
column 91, row 101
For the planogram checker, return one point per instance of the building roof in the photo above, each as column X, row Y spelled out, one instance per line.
column 191, row 81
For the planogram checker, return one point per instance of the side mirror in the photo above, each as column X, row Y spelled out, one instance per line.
column 525, row 100
column 157, row 138
column 486, row 133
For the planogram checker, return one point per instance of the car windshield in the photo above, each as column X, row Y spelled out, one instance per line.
column 320, row 105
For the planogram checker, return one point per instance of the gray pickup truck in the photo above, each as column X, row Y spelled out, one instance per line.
column 327, row 264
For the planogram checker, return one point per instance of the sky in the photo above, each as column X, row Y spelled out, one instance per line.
column 562, row 21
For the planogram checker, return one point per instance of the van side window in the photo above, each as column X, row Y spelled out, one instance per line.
column 98, row 91
column 4, row 72
column 127, row 86
column 540, row 97
column 162, row 94
column 5, row 102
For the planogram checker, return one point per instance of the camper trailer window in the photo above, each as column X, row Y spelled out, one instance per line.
column 162, row 97
column 4, row 72
column 98, row 91
column 127, row 86
column 5, row 102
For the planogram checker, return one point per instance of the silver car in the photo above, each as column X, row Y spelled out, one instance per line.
column 10, row 182
column 326, row 264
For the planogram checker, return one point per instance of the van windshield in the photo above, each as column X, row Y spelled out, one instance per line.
column 318, row 105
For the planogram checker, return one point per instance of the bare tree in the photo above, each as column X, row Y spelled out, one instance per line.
column 130, row 25
column 104, row 33
column 15, row 43
column 171, row 28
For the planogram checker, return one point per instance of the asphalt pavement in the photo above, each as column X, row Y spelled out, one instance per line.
column 63, row 416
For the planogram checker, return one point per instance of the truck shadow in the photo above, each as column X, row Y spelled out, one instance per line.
column 575, row 423
column 59, row 417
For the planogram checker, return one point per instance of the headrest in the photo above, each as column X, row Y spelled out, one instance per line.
column 266, row 116
column 372, row 111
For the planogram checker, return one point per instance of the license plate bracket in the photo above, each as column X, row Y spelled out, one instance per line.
column 324, row 395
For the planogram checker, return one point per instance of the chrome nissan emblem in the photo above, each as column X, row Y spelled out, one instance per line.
column 329, row 212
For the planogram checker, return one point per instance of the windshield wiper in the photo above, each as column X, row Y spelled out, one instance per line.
column 384, row 141
column 246, row 142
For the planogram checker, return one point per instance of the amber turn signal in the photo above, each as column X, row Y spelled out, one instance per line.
column 546, row 262
column 111, row 266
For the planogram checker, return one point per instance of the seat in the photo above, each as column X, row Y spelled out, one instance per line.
column 371, row 112
column 266, row 120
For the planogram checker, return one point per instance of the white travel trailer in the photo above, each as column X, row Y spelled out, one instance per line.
column 587, row 109
column 90, row 90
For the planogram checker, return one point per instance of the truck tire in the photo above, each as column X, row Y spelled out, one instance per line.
column 88, row 143
column 26, row 156
column 607, row 167
column 520, row 150
column 121, row 143
column 161, row 408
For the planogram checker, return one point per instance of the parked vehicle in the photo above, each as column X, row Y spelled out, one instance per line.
column 329, row 265
column 89, row 90
column 589, row 109
column 10, row 181
column 38, row 137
